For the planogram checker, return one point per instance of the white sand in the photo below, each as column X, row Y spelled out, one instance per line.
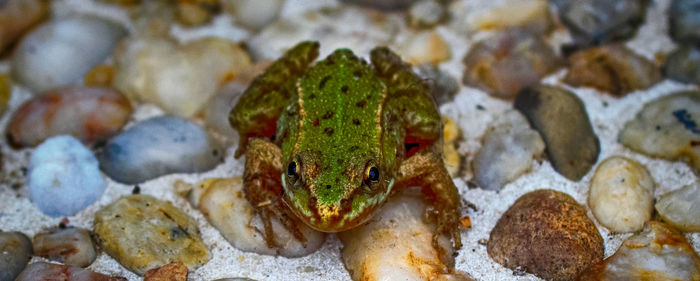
column 18, row 214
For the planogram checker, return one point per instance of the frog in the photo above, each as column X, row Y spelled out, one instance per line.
column 326, row 144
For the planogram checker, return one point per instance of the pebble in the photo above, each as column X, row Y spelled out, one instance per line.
column 681, row 208
column 89, row 114
column 668, row 128
column 510, row 61
column 197, row 12
column 508, row 149
column 548, row 234
column 178, row 78
column 60, row 52
column 471, row 17
column 15, row 252
column 17, row 16
column 223, row 203
column 71, row 246
column 42, row 271
column 254, row 14
column 158, row 146
column 426, row 14
column 659, row 252
column 176, row 271
column 63, row 177
column 684, row 26
column 384, row 5
column 169, row 236
column 598, row 22
column 5, row 92
column 424, row 47
column 612, row 69
column 571, row 144
column 683, row 65
column 100, row 76
column 621, row 195
column 443, row 86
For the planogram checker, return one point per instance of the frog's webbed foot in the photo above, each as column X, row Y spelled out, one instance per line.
column 263, row 189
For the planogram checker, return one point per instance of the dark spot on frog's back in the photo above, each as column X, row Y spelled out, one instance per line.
column 328, row 131
column 316, row 122
column 357, row 74
column 345, row 89
column 327, row 115
column 361, row 103
column 356, row 122
column 323, row 82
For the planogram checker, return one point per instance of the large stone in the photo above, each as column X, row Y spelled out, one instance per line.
column 684, row 21
column 546, row 233
column 142, row 233
column 563, row 123
column 71, row 246
column 15, row 252
column 681, row 207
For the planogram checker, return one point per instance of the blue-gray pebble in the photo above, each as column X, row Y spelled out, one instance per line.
column 63, row 177
column 684, row 21
column 158, row 146
column 15, row 252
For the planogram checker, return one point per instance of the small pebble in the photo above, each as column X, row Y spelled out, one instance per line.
column 158, row 146
column 42, row 271
column 168, row 236
column 621, row 195
column 612, row 69
column 89, row 114
column 426, row 14
column 63, row 177
column 100, row 76
column 667, row 127
column 684, row 21
column 659, row 252
column 508, row 150
column 471, row 17
column 254, row 14
column 15, row 253
column 384, row 5
column 17, row 16
column 681, row 208
column 548, row 234
column 509, row 62
column 197, row 12
column 170, row 272
column 71, row 246
column 60, row 52
column 683, row 65
column 443, row 86
column 424, row 47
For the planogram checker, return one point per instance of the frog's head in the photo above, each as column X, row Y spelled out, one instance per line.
column 335, row 194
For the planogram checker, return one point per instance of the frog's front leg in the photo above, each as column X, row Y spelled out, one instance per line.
column 263, row 189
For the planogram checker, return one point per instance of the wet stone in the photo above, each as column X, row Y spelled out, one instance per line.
column 443, row 86
column 509, row 62
column 683, row 65
column 508, row 150
column 668, row 127
column 89, row 114
column 621, row 195
column 168, row 236
column 71, row 246
column 158, row 146
column 15, row 252
column 659, row 252
column 681, row 208
column 612, row 69
column 169, row 272
column 548, row 234
column 684, row 21
column 571, row 144
column 42, row 271
column 63, row 177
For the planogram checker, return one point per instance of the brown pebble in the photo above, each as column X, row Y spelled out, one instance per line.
column 170, row 272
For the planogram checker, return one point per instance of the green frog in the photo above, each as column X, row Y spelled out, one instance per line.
column 326, row 144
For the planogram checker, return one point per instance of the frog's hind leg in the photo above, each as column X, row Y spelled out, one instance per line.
column 257, row 111
column 263, row 189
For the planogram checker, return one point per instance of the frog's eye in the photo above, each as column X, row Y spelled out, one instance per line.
column 372, row 174
column 292, row 169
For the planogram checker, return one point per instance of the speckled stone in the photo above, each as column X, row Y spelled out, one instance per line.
column 561, row 119
column 169, row 272
column 42, row 271
column 684, row 21
column 71, row 246
column 683, row 65
column 15, row 252
column 142, row 233
column 667, row 127
column 681, row 207
column 546, row 233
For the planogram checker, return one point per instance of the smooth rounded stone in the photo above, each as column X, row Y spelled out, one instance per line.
column 426, row 14
column 178, row 78
column 42, row 271
column 71, row 246
column 470, row 17
column 384, row 5
column 612, row 69
column 176, row 271
column 142, row 233
column 683, row 65
column 598, row 22
column 197, row 12
column 510, row 61
column 659, row 252
column 443, row 86
column 5, row 92
column 668, row 128
column 63, row 177
column 223, row 203
column 17, row 16
column 254, row 14
column 548, row 234
column 158, row 146
column 89, row 114
column 684, row 21
column 561, row 119
column 396, row 244
column 424, row 47
column 508, row 149
column 15, row 253
column 681, row 208
column 60, row 52
column 621, row 195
